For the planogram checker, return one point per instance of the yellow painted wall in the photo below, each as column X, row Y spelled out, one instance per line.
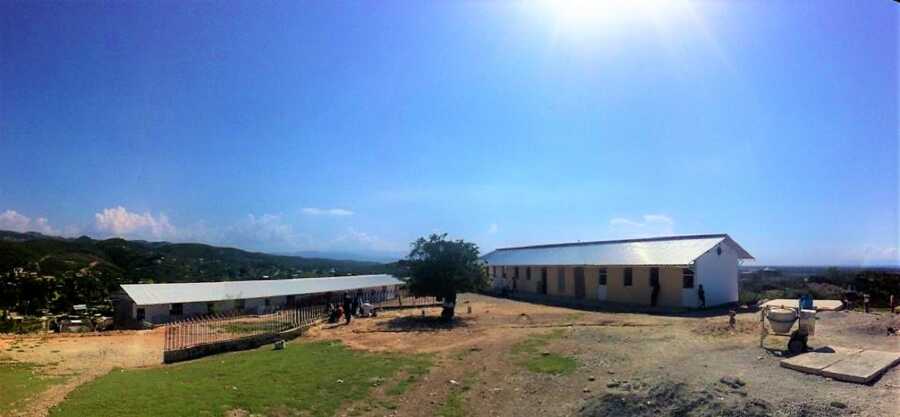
column 637, row 293
column 670, row 287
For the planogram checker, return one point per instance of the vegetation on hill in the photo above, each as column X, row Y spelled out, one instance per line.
column 44, row 272
column 822, row 283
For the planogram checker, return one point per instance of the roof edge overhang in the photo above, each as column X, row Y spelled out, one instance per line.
column 742, row 253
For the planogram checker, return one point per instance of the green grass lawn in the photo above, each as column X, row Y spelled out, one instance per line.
column 529, row 353
column 18, row 382
column 309, row 379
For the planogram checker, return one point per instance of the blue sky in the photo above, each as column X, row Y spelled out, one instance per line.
column 359, row 126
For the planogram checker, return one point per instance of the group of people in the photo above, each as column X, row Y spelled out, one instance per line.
column 348, row 307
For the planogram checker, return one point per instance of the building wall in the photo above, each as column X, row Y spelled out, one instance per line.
column 159, row 313
column 718, row 273
column 671, row 281
column 637, row 293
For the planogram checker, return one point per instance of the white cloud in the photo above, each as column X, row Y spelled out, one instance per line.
column 265, row 232
column 352, row 240
column 313, row 211
column 648, row 225
column 11, row 220
column 493, row 228
column 121, row 222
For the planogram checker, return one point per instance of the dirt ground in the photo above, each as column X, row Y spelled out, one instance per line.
column 81, row 358
column 628, row 364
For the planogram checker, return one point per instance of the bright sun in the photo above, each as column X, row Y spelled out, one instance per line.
column 583, row 16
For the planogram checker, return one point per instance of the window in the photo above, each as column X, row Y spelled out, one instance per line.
column 176, row 309
column 561, row 279
column 528, row 273
column 494, row 271
column 290, row 301
column 240, row 304
column 141, row 313
column 210, row 307
column 601, row 279
column 654, row 277
column 268, row 302
column 627, row 279
column 503, row 270
column 687, row 278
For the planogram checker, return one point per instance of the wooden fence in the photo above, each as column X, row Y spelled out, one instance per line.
column 236, row 325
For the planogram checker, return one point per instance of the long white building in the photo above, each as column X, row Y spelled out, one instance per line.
column 625, row 271
column 161, row 303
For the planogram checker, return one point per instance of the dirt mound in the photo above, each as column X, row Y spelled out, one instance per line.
column 877, row 325
column 666, row 399
column 718, row 326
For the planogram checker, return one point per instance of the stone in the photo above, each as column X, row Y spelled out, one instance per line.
column 838, row 404
column 591, row 378
column 612, row 384
column 733, row 382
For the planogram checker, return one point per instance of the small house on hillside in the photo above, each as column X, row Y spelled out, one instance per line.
column 162, row 303
column 625, row 271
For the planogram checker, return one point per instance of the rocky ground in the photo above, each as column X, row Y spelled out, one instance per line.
column 626, row 364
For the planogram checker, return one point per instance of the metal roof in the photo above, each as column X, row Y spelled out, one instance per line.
column 192, row 292
column 669, row 250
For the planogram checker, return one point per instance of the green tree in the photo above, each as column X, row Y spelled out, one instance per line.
column 443, row 268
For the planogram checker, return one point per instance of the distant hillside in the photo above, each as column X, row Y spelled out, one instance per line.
column 38, row 271
column 366, row 256
column 769, row 282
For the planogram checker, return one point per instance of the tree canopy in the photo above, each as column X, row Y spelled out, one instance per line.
column 442, row 268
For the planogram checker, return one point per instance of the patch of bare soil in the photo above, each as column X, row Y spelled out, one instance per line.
column 670, row 399
column 746, row 324
column 79, row 358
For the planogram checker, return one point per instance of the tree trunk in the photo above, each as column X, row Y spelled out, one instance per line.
column 449, row 307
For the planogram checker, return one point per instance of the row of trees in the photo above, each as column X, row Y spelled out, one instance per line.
column 31, row 293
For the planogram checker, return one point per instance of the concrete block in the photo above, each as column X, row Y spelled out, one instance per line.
column 862, row 367
column 815, row 362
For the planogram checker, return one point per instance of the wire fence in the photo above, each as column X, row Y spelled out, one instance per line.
column 235, row 325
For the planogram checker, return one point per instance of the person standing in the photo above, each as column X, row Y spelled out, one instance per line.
column 348, row 304
column 701, row 295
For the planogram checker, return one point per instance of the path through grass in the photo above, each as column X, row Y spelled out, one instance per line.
column 19, row 382
column 310, row 379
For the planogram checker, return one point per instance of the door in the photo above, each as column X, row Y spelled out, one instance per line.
column 579, row 283
column 654, row 286
column 544, row 281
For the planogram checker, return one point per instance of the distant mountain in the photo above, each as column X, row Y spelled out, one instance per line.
column 54, row 272
column 368, row 256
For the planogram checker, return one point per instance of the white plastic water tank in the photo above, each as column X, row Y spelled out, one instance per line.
column 808, row 322
column 781, row 319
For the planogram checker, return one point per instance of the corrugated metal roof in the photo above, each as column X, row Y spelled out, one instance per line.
column 670, row 250
column 148, row 294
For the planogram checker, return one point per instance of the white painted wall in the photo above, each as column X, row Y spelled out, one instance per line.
column 719, row 276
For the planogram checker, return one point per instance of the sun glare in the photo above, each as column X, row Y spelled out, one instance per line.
column 590, row 16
